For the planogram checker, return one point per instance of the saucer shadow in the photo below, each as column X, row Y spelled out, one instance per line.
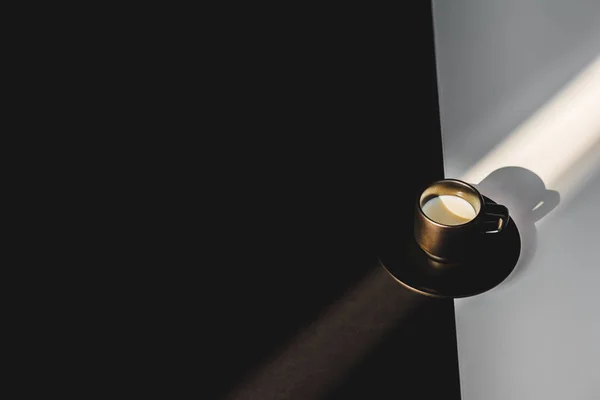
column 528, row 201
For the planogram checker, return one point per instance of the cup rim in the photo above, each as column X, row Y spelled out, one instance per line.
column 463, row 183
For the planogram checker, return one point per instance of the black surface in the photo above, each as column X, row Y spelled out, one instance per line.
column 488, row 265
column 327, row 113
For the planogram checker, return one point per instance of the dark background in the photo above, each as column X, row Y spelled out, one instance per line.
column 333, row 128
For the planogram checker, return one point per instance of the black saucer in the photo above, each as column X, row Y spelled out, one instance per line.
column 485, row 268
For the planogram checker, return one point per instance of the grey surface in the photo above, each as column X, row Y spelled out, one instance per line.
column 536, row 336
column 499, row 61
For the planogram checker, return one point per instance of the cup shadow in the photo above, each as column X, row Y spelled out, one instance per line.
column 528, row 201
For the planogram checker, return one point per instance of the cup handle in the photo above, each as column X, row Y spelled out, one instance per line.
column 495, row 218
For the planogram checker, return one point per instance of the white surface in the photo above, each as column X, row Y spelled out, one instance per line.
column 519, row 86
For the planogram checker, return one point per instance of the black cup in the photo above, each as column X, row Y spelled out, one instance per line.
column 452, row 243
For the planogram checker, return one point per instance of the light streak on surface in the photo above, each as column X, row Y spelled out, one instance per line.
column 555, row 139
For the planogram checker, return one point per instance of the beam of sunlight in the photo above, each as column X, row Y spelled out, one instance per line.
column 557, row 138
column 320, row 356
